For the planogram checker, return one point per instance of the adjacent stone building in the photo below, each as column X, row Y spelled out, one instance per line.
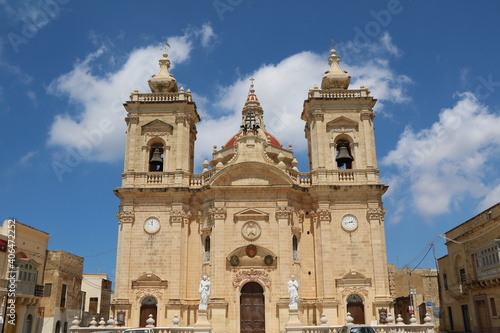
column 470, row 275
column 96, row 290
column 251, row 219
column 62, row 299
column 415, row 291
column 22, row 263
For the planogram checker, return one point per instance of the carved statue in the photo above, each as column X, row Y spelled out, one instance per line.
column 293, row 289
column 204, row 291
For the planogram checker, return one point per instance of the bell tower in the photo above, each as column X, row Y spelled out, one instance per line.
column 339, row 129
column 154, row 199
column 161, row 131
column 347, row 208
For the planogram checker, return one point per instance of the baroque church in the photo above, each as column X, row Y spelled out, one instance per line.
column 250, row 220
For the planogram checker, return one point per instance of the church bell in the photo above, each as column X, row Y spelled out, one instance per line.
column 156, row 159
column 343, row 156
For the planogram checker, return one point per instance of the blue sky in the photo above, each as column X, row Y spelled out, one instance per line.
column 66, row 66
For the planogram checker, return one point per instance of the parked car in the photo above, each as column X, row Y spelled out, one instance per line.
column 356, row 329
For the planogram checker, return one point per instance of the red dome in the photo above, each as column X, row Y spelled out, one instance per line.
column 272, row 140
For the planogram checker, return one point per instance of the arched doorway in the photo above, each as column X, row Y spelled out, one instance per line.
column 252, row 309
column 357, row 309
column 148, row 306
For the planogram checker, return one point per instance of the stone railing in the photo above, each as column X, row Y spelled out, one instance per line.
column 161, row 97
column 304, row 179
column 339, row 94
column 390, row 327
column 111, row 326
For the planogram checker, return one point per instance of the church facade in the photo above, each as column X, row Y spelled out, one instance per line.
column 251, row 219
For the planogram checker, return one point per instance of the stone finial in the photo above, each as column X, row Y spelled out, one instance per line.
column 163, row 81
column 323, row 320
column 93, row 323
column 390, row 318
column 335, row 78
column 427, row 318
column 349, row 319
column 205, row 165
column 294, row 164
column 150, row 321
column 75, row 323
column 102, row 323
column 110, row 322
column 413, row 320
column 176, row 321
column 399, row 320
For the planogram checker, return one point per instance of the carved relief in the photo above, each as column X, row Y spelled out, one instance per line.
column 183, row 119
column 251, row 230
column 141, row 293
column 375, row 214
column 125, row 217
column 132, row 120
column 180, row 216
column 159, row 134
column 317, row 116
column 342, row 130
column 284, row 212
column 218, row 213
column 367, row 115
column 354, row 290
column 252, row 275
column 321, row 215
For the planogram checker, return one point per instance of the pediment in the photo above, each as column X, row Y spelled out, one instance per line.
column 250, row 174
column 149, row 280
column 342, row 122
column 157, row 126
column 354, row 279
column 251, row 214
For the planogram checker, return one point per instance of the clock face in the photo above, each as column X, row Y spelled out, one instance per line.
column 152, row 225
column 349, row 222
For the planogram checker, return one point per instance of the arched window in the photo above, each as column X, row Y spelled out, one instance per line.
column 295, row 245
column 58, row 327
column 207, row 248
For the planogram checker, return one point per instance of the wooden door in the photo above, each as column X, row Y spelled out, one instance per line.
column 357, row 309
column 483, row 319
column 146, row 310
column 252, row 309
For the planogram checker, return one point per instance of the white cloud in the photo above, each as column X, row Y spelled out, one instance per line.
column 450, row 161
column 94, row 123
